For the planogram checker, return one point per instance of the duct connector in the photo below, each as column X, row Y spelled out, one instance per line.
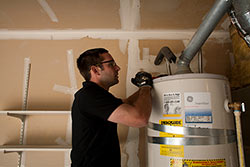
column 240, row 17
column 218, row 10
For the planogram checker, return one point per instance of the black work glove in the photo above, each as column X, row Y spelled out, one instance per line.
column 142, row 79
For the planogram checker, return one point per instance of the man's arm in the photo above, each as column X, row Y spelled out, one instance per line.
column 136, row 109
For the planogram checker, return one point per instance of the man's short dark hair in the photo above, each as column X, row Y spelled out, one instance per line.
column 89, row 58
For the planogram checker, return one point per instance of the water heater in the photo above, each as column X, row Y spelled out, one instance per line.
column 189, row 125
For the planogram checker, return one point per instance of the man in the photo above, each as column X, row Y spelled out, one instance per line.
column 96, row 112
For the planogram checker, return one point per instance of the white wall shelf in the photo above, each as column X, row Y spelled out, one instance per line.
column 21, row 114
column 17, row 148
column 34, row 112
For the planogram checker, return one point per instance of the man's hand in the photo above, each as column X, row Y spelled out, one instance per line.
column 142, row 79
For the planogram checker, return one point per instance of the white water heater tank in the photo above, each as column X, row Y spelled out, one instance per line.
column 189, row 125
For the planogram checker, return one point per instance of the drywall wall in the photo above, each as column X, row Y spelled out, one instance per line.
column 49, row 66
column 131, row 36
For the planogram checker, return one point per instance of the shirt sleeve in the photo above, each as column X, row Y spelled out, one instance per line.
column 98, row 102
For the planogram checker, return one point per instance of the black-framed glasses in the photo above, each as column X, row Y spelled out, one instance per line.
column 111, row 62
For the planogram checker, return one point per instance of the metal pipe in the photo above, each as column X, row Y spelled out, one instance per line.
column 218, row 10
column 200, row 62
column 236, row 106
column 239, row 138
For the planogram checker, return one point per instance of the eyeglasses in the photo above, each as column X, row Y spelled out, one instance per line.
column 111, row 62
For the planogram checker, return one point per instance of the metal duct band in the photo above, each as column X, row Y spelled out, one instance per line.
column 215, row 140
column 188, row 131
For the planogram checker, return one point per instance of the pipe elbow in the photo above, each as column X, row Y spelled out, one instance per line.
column 183, row 68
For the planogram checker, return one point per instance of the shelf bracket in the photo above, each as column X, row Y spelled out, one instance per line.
column 18, row 152
column 21, row 117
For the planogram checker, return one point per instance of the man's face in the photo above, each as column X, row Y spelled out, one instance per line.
column 109, row 74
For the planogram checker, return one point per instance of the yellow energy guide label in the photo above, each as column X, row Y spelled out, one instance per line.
column 197, row 163
column 170, row 122
column 171, row 150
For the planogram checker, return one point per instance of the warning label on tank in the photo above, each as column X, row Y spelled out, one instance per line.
column 197, row 107
column 172, row 104
column 172, row 150
column 170, row 122
column 197, row 163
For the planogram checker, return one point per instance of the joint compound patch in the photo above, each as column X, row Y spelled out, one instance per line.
column 172, row 104
column 197, row 163
column 198, row 107
column 172, row 150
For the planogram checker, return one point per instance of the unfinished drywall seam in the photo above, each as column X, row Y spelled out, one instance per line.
column 132, row 143
column 123, row 45
column 67, row 90
column 48, row 10
column 72, row 75
column 63, row 89
column 73, row 85
column 107, row 34
column 130, row 14
column 130, row 20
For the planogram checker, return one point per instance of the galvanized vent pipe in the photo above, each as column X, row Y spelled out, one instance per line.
column 218, row 10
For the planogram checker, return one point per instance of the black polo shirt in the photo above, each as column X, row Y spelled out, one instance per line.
column 94, row 139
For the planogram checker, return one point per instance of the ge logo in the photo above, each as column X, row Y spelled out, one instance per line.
column 190, row 98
